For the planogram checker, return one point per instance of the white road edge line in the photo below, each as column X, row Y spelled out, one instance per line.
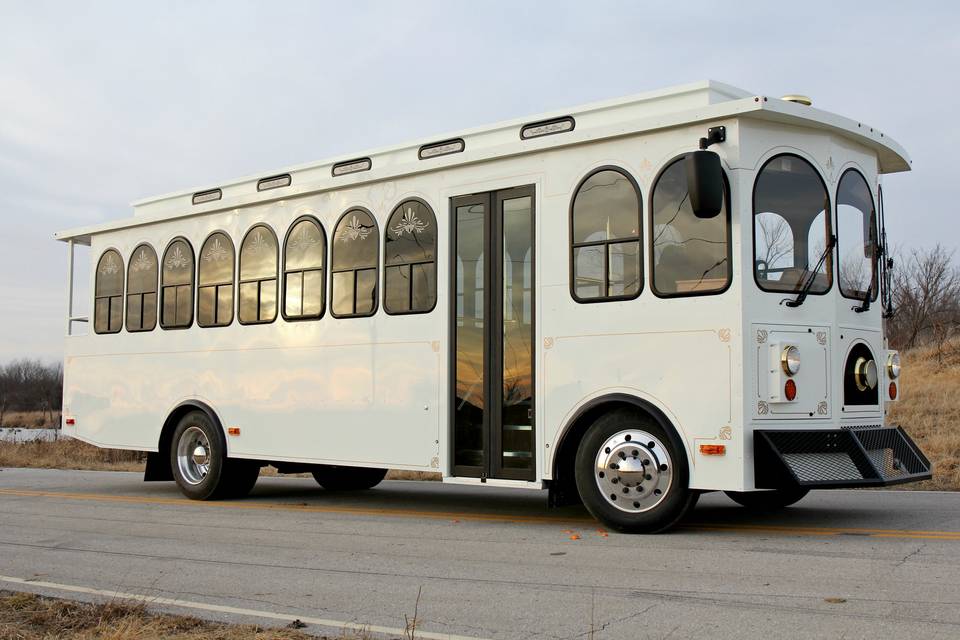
column 189, row 604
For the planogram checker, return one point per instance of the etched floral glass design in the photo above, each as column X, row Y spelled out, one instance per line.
column 258, row 276
column 142, row 289
column 176, row 286
column 108, row 293
column 354, row 265
column 303, row 270
column 215, row 282
column 410, row 250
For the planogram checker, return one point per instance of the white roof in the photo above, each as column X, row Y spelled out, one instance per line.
column 664, row 108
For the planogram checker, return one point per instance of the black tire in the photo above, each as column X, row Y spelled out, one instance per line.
column 768, row 500
column 670, row 474
column 335, row 478
column 220, row 477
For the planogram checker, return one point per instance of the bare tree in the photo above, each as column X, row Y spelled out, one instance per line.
column 775, row 241
column 926, row 297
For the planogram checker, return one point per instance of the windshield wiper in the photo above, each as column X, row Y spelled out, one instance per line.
column 865, row 302
column 802, row 295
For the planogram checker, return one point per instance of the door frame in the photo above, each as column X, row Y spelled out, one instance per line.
column 492, row 427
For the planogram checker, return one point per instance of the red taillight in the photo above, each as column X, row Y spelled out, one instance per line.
column 893, row 390
column 70, row 422
column 790, row 390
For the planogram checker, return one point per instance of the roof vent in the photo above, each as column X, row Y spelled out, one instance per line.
column 799, row 99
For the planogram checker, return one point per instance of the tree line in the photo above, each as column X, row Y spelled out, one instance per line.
column 31, row 385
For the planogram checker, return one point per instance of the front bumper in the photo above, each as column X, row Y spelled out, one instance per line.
column 837, row 458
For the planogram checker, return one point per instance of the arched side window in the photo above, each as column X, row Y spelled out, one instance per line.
column 142, row 289
column 856, row 237
column 108, row 293
column 258, row 276
column 176, row 285
column 304, row 253
column 410, row 259
column 689, row 255
column 215, row 281
column 791, row 227
column 354, row 262
column 605, row 224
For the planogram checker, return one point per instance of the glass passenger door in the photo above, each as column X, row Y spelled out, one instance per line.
column 492, row 361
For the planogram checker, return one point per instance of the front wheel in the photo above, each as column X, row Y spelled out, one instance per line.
column 632, row 474
column 198, row 458
column 334, row 478
column 768, row 500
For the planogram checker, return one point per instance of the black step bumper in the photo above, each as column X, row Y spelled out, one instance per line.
column 837, row 458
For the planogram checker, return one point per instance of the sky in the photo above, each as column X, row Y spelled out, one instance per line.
column 103, row 103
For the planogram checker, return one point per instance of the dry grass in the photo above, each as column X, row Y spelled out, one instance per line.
column 67, row 453
column 930, row 411
column 30, row 419
column 25, row 616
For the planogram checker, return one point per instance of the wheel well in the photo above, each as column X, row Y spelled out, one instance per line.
column 158, row 464
column 563, row 488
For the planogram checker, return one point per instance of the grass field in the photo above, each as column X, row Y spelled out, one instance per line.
column 929, row 410
column 29, row 419
column 25, row 616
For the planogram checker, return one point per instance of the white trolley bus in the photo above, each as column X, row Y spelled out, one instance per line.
column 629, row 303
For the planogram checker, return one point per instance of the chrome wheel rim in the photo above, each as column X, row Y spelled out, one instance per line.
column 633, row 471
column 193, row 455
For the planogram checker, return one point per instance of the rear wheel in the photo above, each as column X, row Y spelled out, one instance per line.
column 334, row 478
column 198, row 458
column 632, row 474
column 768, row 500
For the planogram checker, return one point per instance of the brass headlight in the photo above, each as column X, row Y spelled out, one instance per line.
column 790, row 360
column 865, row 374
column 893, row 365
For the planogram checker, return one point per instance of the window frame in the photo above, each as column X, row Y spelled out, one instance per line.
column 828, row 217
column 434, row 262
column 127, row 294
column 193, row 284
column 259, row 281
column 573, row 246
column 729, row 226
column 875, row 262
column 122, row 296
column 376, row 266
column 233, row 281
column 324, row 268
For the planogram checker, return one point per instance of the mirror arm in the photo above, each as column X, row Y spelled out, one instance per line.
column 714, row 135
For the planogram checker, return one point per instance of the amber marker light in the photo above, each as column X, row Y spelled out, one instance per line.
column 893, row 390
column 234, row 431
column 713, row 449
column 790, row 390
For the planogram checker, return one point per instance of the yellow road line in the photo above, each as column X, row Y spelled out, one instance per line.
column 483, row 517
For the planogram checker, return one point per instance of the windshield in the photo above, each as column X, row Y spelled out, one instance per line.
column 856, row 237
column 791, row 226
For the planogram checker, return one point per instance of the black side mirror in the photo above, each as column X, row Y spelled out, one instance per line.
column 704, row 183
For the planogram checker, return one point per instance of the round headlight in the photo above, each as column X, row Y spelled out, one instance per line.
column 893, row 365
column 865, row 374
column 790, row 360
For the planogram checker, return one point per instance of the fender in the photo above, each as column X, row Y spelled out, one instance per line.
column 158, row 465
column 562, row 489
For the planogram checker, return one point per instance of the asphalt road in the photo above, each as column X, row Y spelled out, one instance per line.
column 488, row 563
